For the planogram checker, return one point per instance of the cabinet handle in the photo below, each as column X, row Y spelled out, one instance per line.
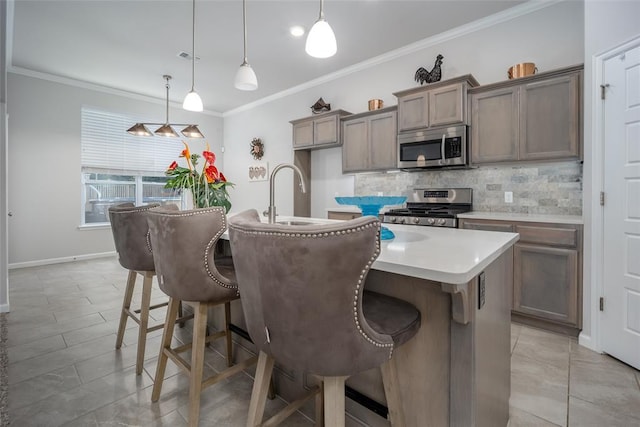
column 442, row 148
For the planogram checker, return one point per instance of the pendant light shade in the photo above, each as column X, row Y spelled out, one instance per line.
column 166, row 130
column 245, row 77
column 192, row 131
column 192, row 101
column 321, row 42
column 139, row 129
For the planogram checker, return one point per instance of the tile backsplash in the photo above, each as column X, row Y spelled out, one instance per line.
column 541, row 188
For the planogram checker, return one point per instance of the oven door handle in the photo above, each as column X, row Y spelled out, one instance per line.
column 442, row 150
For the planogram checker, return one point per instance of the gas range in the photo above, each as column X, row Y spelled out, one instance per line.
column 436, row 207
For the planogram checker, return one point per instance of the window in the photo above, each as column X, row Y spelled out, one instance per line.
column 118, row 167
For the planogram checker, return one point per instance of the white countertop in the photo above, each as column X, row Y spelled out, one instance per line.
column 506, row 216
column 448, row 255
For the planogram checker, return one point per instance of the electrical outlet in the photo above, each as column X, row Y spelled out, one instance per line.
column 508, row 196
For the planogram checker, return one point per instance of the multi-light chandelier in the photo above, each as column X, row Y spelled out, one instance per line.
column 166, row 129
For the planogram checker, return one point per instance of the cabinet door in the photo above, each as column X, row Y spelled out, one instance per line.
column 546, row 282
column 343, row 216
column 383, row 144
column 446, row 105
column 355, row 146
column 303, row 134
column 325, row 130
column 550, row 118
column 471, row 225
column 494, row 126
column 413, row 111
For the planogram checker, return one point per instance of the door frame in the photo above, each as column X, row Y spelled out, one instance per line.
column 596, row 266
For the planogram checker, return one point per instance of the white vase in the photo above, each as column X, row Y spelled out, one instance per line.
column 186, row 200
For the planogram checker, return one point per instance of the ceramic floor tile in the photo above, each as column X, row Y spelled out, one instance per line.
column 35, row 348
column 22, row 336
column 518, row 418
column 95, row 331
column 539, row 389
column 608, row 383
column 43, row 386
column 586, row 414
column 543, row 346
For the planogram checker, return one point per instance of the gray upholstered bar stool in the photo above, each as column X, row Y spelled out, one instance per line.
column 131, row 238
column 183, row 245
column 305, row 307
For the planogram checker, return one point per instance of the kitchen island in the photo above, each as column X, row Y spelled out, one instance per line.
column 456, row 370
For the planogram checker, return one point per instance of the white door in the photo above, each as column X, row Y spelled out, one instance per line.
column 620, row 321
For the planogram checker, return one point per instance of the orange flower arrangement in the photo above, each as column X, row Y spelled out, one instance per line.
column 208, row 187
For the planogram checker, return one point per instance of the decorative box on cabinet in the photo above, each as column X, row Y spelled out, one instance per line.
column 369, row 141
column 437, row 104
column 321, row 131
column 547, row 267
column 530, row 118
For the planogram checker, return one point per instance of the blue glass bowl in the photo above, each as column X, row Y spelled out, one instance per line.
column 371, row 205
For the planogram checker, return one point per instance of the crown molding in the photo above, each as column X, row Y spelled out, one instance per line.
column 463, row 30
column 98, row 88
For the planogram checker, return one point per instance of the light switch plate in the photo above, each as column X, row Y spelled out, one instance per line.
column 508, row 196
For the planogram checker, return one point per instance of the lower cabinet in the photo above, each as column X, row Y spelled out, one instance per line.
column 547, row 272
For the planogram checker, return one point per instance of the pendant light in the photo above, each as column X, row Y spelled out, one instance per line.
column 192, row 101
column 245, row 77
column 166, row 129
column 321, row 42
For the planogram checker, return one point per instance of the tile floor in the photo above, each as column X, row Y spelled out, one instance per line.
column 64, row 370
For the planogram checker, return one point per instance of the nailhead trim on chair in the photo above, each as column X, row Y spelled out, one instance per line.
column 362, row 274
column 149, row 241
column 215, row 238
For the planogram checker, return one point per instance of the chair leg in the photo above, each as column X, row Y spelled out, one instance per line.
column 260, row 388
column 319, row 401
column 126, row 306
column 392, row 392
column 144, row 321
column 334, row 401
column 197, row 361
column 182, row 323
column 227, row 321
column 167, row 336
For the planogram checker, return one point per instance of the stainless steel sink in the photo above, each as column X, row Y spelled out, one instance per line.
column 295, row 223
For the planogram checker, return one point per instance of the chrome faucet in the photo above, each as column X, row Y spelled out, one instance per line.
column 271, row 212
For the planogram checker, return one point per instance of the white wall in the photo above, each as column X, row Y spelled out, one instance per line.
column 607, row 24
column 44, row 164
column 552, row 37
column 4, row 276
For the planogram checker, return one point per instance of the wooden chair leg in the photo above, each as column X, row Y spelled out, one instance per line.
column 126, row 306
column 167, row 336
column 260, row 387
column 334, row 401
column 180, row 315
column 227, row 321
column 392, row 393
column 197, row 361
column 144, row 321
column 319, row 401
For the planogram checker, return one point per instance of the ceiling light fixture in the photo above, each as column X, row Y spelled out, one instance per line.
column 192, row 101
column 296, row 31
column 321, row 42
column 245, row 77
column 165, row 129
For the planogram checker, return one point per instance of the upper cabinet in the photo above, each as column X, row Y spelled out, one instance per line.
column 437, row 104
column 369, row 141
column 530, row 118
column 321, row 131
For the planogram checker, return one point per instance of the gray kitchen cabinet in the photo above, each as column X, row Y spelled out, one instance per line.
column 369, row 141
column 526, row 119
column 547, row 272
column 344, row 216
column 437, row 104
column 321, row 131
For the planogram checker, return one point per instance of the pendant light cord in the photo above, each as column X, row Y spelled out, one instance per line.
column 193, row 46
column 321, row 10
column 244, row 27
column 167, row 86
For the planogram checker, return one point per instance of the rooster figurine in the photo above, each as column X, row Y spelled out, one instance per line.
column 432, row 76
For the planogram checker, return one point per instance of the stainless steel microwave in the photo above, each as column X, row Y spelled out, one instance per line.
column 434, row 148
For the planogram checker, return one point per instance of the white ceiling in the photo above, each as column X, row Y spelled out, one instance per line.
column 129, row 45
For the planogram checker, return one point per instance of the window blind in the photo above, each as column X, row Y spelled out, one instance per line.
column 106, row 145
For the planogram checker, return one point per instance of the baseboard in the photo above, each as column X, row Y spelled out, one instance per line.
column 49, row 261
column 4, row 308
column 586, row 341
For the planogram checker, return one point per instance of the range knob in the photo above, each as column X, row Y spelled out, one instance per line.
column 400, row 220
column 416, row 220
column 442, row 221
column 394, row 219
column 431, row 221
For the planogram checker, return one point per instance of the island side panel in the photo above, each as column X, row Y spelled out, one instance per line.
column 481, row 362
column 423, row 362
